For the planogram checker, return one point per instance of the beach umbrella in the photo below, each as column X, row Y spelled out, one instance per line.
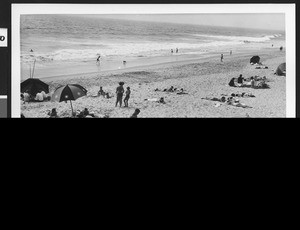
column 280, row 71
column 255, row 59
column 33, row 86
column 69, row 93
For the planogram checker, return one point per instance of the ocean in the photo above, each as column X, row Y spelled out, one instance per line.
column 69, row 44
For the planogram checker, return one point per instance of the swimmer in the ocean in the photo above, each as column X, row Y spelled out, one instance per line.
column 98, row 60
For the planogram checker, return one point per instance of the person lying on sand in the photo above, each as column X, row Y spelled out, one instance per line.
column 235, row 102
column 135, row 114
column 229, row 101
column 222, row 99
column 261, row 67
column 159, row 100
column 181, row 92
column 242, row 95
column 171, row 89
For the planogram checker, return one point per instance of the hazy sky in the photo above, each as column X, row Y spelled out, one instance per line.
column 257, row 21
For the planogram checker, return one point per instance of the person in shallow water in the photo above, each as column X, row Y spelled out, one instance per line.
column 119, row 92
column 98, row 60
column 222, row 57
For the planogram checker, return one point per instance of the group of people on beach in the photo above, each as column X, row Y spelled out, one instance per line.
column 231, row 100
column 119, row 94
column 252, row 82
column 172, row 90
column 39, row 97
column 176, row 50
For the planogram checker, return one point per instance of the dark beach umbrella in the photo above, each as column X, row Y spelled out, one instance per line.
column 280, row 71
column 34, row 85
column 69, row 93
column 255, row 59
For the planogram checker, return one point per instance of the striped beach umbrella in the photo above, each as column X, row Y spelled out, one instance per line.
column 69, row 93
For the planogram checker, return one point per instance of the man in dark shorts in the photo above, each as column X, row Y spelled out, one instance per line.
column 127, row 96
column 119, row 92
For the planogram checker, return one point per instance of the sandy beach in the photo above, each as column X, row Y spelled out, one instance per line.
column 206, row 77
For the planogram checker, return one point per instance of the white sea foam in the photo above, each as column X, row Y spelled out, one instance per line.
column 240, row 38
column 120, row 50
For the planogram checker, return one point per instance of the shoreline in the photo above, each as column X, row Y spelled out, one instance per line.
column 200, row 59
column 70, row 69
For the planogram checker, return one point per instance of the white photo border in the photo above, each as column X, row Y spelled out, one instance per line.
column 287, row 9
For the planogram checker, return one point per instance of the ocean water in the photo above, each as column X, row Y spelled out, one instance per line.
column 72, row 42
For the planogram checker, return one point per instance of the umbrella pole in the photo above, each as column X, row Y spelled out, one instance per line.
column 30, row 71
column 71, row 107
column 33, row 67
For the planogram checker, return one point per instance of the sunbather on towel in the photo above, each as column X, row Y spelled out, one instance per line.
column 222, row 99
column 235, row 102
column 181, row 91
column 159, row 100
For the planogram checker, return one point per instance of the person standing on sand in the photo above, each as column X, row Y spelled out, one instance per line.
column 126, row 99
column 119, row 92
column 222, row 57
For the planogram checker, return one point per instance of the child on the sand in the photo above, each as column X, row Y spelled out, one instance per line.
column 127, row 96
column 101, row 92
